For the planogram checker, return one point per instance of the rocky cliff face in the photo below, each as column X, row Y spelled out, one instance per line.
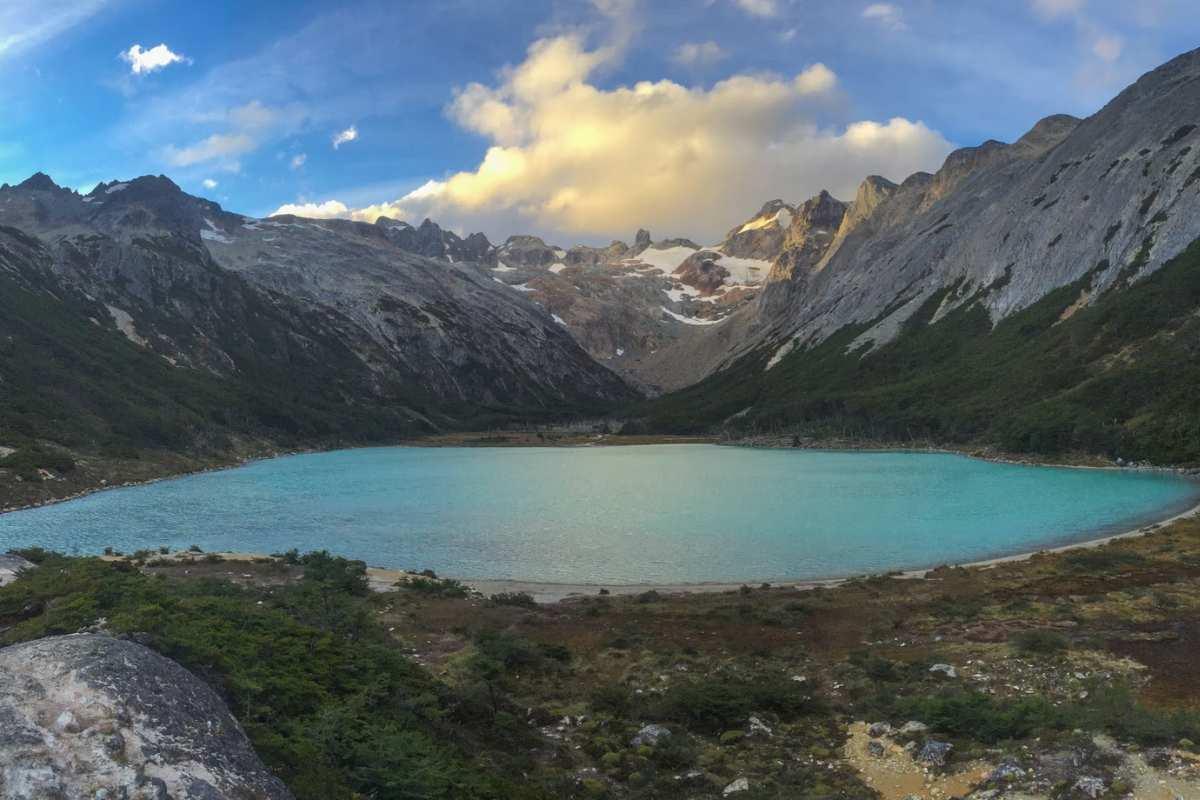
column 342, row 304
column 90, row 716
column 1115, row 195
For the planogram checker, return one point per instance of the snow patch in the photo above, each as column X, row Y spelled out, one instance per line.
column 751, row 271
column 666, row 260
column 504, row 268
column 557, row 268
column 116, row 187
column 691, row 320
column 213, row 233
column 559, row 320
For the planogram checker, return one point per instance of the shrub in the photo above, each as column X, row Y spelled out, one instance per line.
column 520, row 599
column 1040, row 642
column 716, row 704
column 435, row 586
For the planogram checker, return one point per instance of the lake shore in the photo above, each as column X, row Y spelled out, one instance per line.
column 384, row 579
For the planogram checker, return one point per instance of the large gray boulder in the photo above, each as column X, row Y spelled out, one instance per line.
column 89, row 716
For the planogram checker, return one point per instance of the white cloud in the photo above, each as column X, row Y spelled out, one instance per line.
column 348, row 135
column 885, row 14
column 570, row 158
column 247, row 125
column 298, row 160
column 694, row 54
column 143, row 62
column 209, row 183
column 25, row 24
column 327, row 210
column 1108, row 48
column 759, row 8
column 219, row 146
column 1053, row 9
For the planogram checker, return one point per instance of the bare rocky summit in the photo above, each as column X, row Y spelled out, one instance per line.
column 89, row 716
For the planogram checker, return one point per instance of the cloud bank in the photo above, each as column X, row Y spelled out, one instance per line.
column 569, row 158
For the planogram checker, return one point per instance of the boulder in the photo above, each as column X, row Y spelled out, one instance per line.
column 651, row 735
column 878, row 729
column 945, row 669
column 913, row 728
column 11, row 565
column 88, row 715
column 740, row 785
column 1090, row 787
column 935, row 753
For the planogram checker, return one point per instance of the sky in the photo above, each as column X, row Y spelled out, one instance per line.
column 577, row 120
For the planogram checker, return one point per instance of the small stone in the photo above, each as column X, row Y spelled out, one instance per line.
column 945, row 669
column 740, row 785
column 1090, row 786
column 1006, row 773
column 115, row 743
column 876, row 748
column 878, row 729
column 759, row 728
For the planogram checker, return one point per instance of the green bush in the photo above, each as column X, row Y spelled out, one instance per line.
column 1040, row 642
column 716, row 704
column 326, row 697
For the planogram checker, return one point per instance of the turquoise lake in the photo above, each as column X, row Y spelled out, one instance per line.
column 639, row 514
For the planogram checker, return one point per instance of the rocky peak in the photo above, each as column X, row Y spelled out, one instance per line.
column 527, row 251
column 1045, row 135
column 812, row 230
column 960, row 165
column 760, row 237
column 39, row 182
column 641, row 240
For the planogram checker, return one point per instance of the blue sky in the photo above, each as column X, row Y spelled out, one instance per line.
column 525, row 116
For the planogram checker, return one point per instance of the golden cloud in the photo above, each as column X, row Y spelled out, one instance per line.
column 570, row 158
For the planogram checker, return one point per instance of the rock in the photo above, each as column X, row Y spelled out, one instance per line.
column 878, row 729
column 1159, row 757
column 935, row 753
column 913, row 728
column 12, row 565
column 876, row 748
column 1007, row 772
column 759, row 728
column 650, row 735
column 945, row 669
column 740, row 785
column 89, row 716
column 1090, row 787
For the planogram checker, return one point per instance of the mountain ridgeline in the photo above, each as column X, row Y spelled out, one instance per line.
column 1040, row 296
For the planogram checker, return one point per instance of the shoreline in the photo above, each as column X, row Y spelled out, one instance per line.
column 547, row 592
column 383, row 579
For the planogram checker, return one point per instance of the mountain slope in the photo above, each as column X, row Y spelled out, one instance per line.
column 139, row 302
column 1009, row 292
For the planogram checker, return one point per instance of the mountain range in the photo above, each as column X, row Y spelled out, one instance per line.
column 1040, row 296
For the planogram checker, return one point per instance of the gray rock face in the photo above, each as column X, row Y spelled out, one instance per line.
column 90, row 716
column 763, row 235
column 11, row 566
column 349, row 305
column 1117, row 194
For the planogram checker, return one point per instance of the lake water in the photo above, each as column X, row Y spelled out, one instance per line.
column 659, row 513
